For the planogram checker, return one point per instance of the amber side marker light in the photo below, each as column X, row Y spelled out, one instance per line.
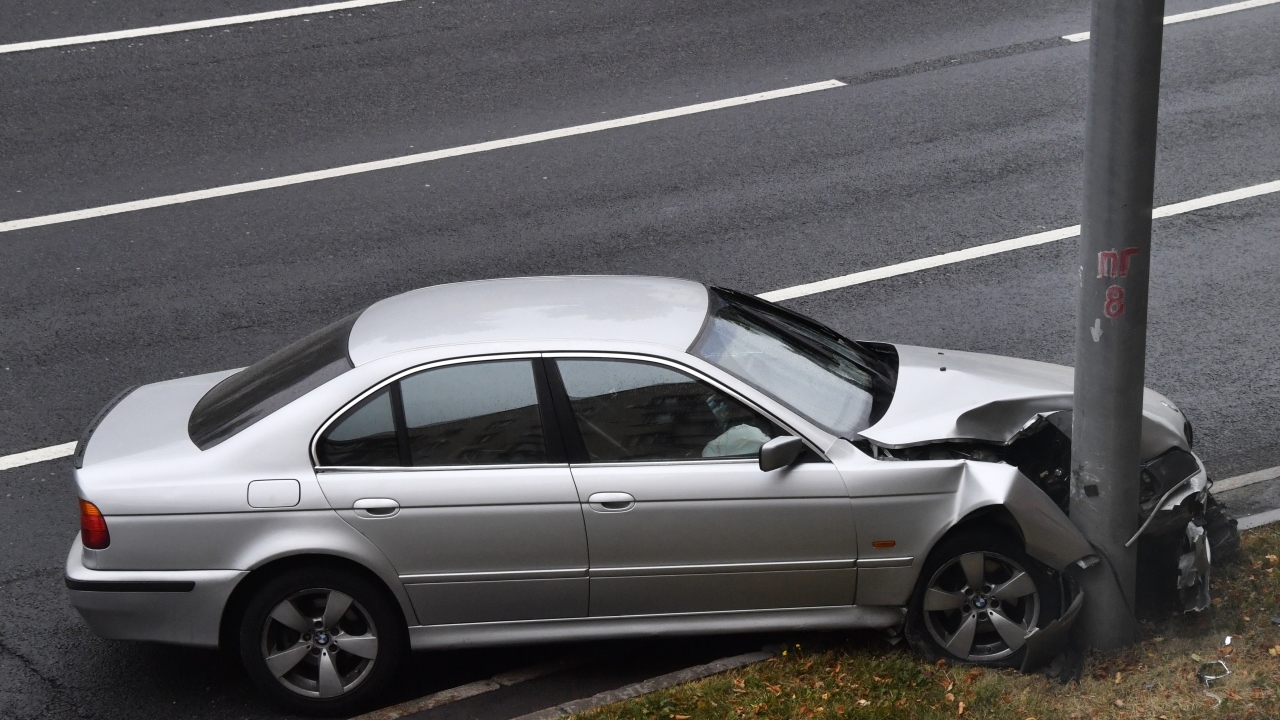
column 93, row 527
column 882, row 544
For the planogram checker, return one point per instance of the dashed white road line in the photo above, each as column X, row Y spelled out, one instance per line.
column 1003, row 246
column 415, row 159
column 31, row 457
column 188, row 26
column 1193, row 15
column 58, row 451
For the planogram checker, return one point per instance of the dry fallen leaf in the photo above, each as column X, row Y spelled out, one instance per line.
column 960, row 709
column 680, row 717
column 951, row 698
column 1119, row 703
column 1118, row 678
column 863, row 703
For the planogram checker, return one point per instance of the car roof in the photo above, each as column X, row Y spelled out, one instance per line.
column 662, row 311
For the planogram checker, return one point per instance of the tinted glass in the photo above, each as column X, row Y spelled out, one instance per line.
column 271, row 383
column 364, row 437
column 635, row 411
column 474, row 414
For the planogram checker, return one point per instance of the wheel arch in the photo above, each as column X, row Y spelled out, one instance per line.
column 240, row 596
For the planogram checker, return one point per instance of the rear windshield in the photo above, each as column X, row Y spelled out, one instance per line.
column 271, row 383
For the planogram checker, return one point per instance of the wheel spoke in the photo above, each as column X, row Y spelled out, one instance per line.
column 1019, row 585
column 330, row 681
column 366, row 646
column 936, row 599
column 1012, row 633
column 974, row 570
column 960, row 643
column 285, row 660
column 334, row 607
column 288, row 615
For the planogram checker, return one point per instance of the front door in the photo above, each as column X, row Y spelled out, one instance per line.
column 449, row 472
column 679, row 516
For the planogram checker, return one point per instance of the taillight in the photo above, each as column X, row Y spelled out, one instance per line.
column 93, row 527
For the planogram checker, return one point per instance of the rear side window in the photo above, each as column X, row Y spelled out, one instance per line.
column 474, row 414
column 482, row 413
column 364, row 437
column 631, row 411
column 271, row 383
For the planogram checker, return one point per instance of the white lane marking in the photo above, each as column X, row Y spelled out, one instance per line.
column 306, row 177
column 188, row 26
column 1194, row 15
column 31, row 457
column 1247, row 479
column 995, row 248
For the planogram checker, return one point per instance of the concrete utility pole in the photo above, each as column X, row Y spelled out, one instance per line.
column 1111, row 323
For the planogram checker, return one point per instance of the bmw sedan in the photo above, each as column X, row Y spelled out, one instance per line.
column 567, row 458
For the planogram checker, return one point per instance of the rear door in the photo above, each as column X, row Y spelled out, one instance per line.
column 679, row 516
column 455, row 474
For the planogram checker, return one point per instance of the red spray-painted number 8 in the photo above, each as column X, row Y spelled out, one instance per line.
column 1114, row 307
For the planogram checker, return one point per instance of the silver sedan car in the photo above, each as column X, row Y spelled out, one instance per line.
column 567, row 458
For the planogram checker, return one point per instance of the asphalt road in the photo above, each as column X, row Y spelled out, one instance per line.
column 913, row 158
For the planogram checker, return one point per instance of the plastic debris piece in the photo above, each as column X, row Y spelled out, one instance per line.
column 1212, row 671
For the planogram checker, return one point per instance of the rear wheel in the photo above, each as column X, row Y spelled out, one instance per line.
column 978, row 597
column 321, row 641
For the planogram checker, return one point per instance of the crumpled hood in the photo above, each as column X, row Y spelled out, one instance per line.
column 954, row 395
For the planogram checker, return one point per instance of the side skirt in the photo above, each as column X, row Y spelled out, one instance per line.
column 431, row 637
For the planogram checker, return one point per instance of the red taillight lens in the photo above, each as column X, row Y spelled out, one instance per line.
column 93, row 527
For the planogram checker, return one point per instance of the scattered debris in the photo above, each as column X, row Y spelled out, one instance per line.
column 1211, row 671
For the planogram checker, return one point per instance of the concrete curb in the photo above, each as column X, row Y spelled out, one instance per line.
column 462, row 692
column 679, row 677
column 1263, row 518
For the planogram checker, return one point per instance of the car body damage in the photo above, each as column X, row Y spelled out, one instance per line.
column 996, row 410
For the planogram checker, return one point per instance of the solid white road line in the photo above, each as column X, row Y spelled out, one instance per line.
column 1253, row 478
column 31, row 457
column 413, row 159
column 1194, row 15
column 995, row 248
column 187, row 26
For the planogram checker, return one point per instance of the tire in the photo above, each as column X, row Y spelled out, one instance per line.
column 289, row 632
column 949, row 618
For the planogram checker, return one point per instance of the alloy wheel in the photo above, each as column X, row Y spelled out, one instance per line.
column 980, row 606
column 319, row 643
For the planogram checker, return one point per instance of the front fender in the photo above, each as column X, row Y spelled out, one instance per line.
column 1049, row 535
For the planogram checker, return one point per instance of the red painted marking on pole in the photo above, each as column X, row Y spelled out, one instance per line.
column 1115, row 264
column 1107, row 261
column 1114, row 307
column 1125, row 254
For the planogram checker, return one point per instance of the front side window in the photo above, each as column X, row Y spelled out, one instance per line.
column 483, row 413
column 839, row 385
column 629, row 411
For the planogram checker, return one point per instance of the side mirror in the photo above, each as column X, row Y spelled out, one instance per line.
column 780, row 452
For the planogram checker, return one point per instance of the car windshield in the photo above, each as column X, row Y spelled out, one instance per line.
column 839, row 385
column 271, row 383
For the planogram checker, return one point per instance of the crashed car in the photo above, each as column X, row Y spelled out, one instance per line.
column 542, row 459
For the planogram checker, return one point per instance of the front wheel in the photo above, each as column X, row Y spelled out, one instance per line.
column 321, row 641
column 978, row 597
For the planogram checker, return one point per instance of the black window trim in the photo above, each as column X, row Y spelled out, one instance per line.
column 552, row 431
column 573, row 435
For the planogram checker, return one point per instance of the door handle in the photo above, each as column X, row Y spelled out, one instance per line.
column 376, row 507
column 611, row 502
